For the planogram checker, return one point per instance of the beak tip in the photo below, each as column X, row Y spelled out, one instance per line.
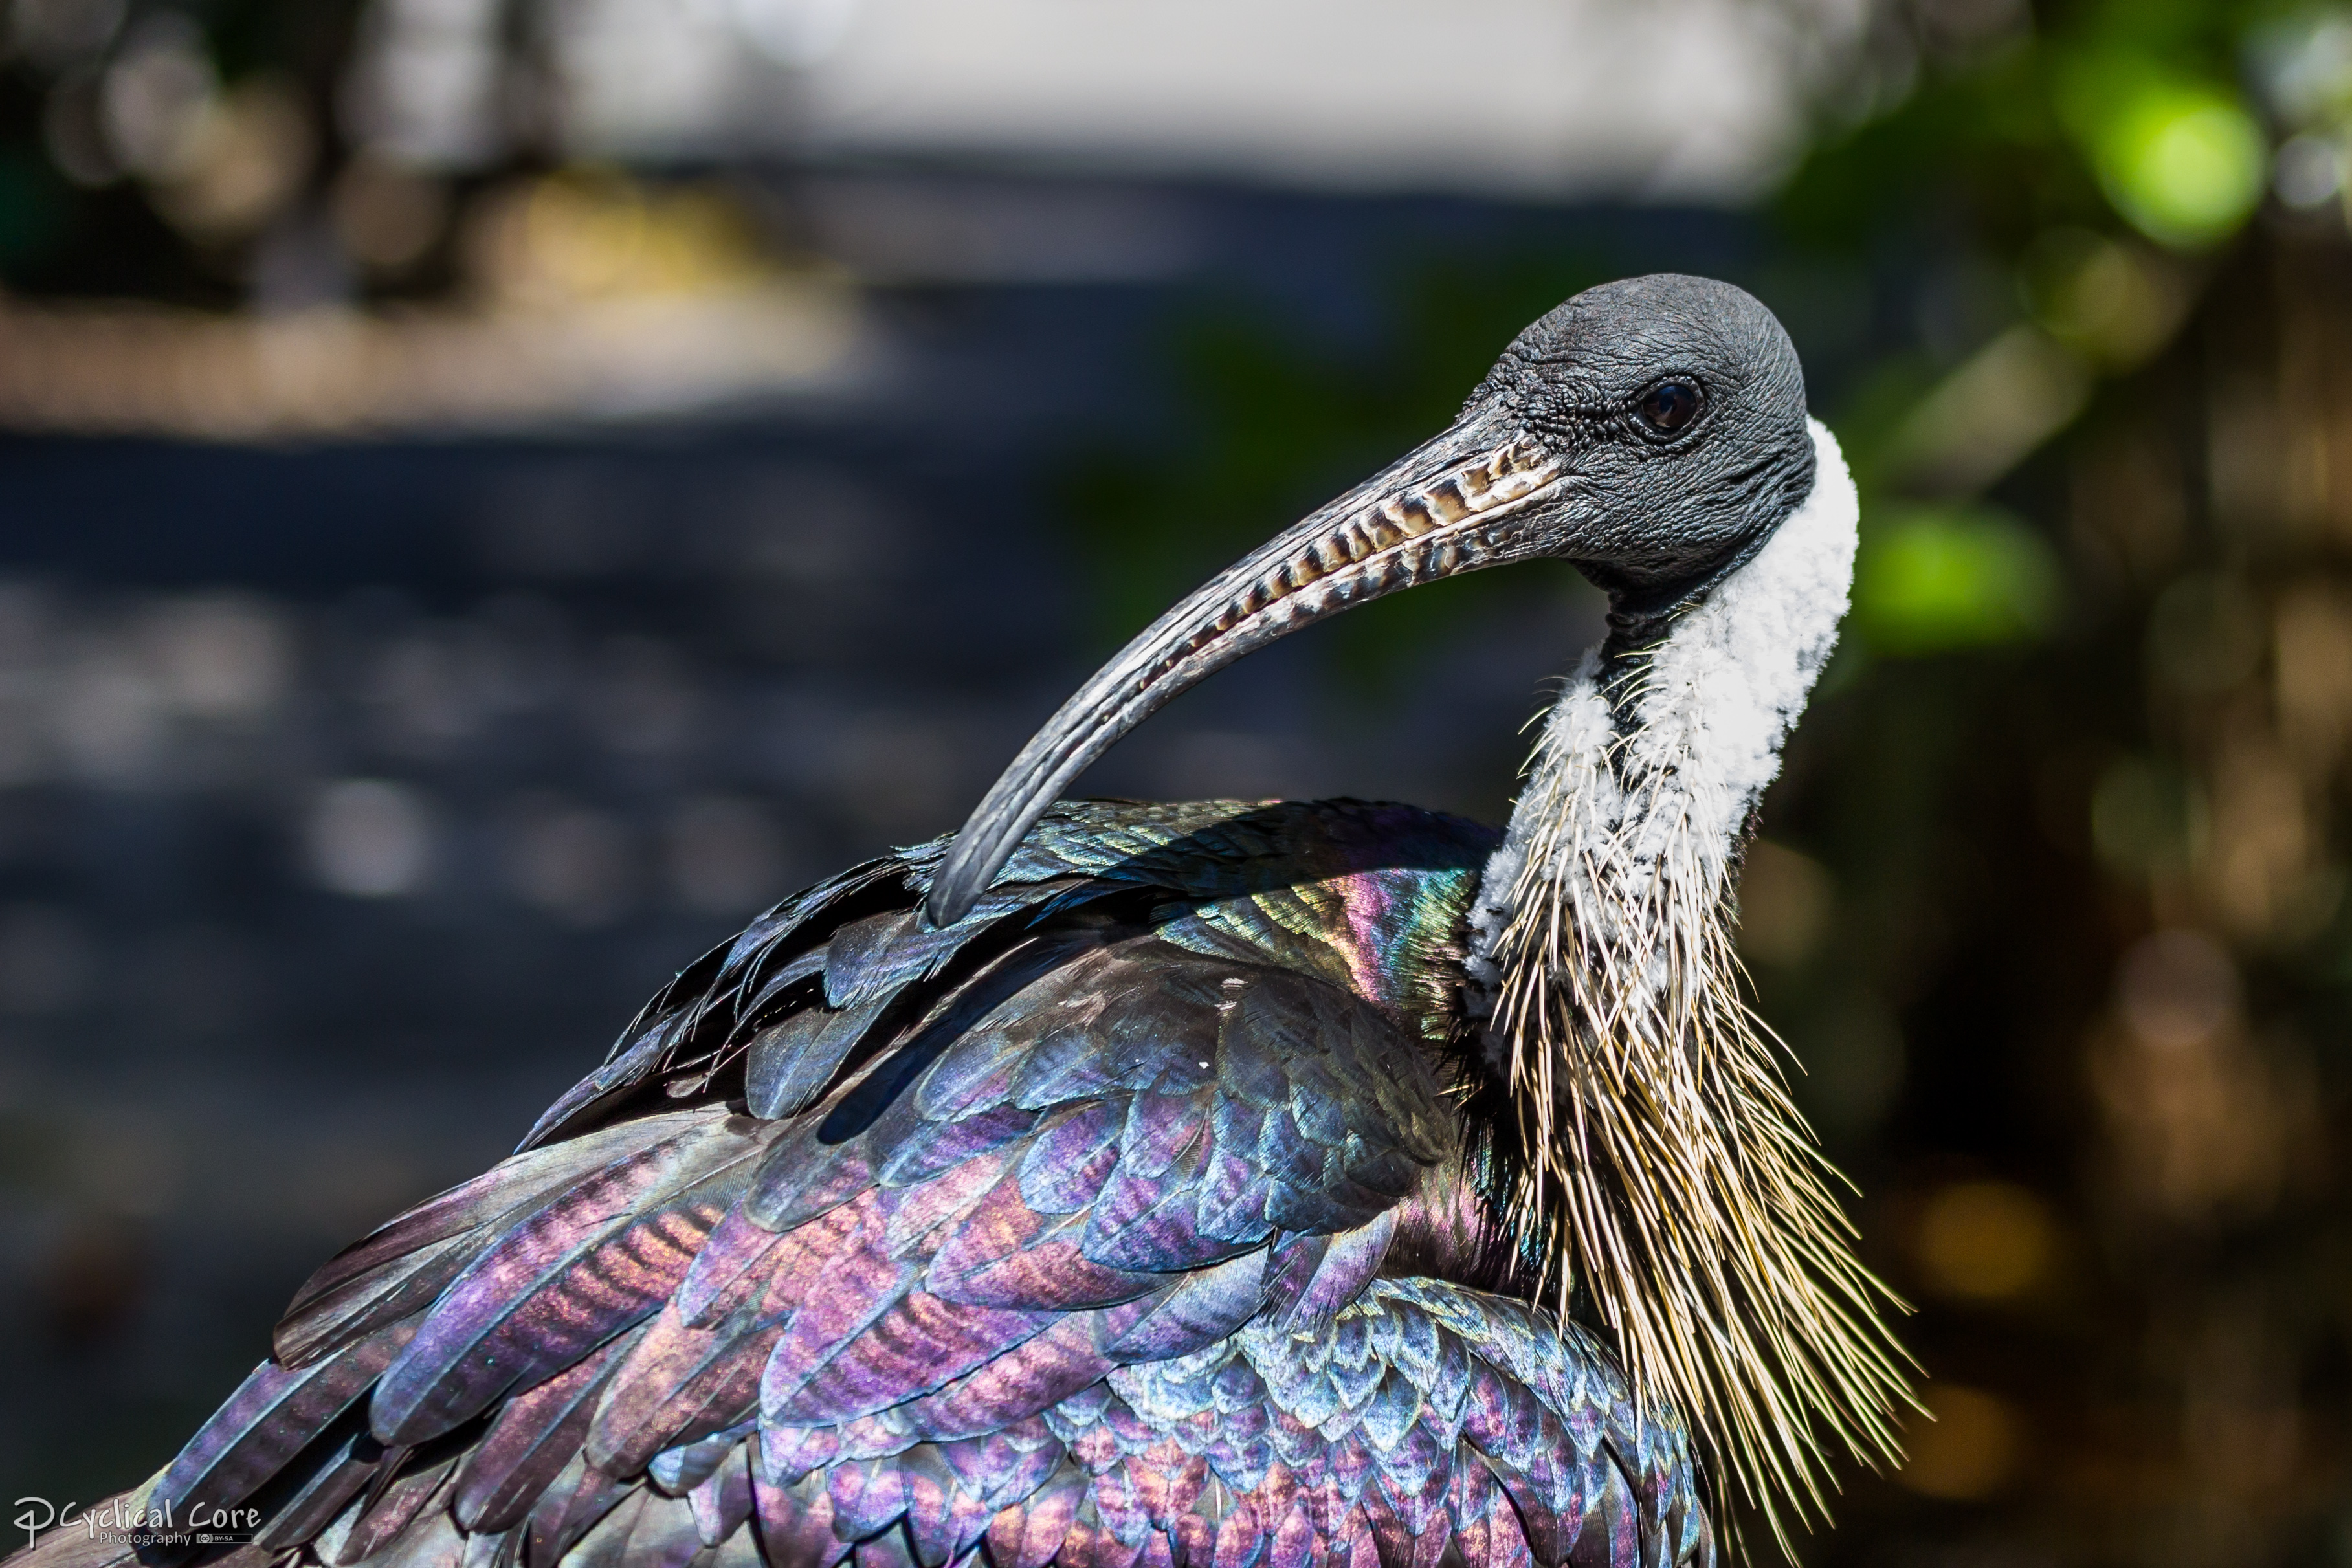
column 946, row 903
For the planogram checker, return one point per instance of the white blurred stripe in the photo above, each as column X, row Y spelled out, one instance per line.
column 1683, row 97
column 1672, row 98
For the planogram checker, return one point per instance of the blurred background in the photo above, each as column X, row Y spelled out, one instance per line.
column 496, row 491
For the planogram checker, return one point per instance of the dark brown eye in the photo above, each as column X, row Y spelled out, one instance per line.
column 1669, row 406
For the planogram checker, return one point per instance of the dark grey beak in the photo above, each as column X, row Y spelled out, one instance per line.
column 1453, row 505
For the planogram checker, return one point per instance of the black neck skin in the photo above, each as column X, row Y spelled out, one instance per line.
column 1642, row 613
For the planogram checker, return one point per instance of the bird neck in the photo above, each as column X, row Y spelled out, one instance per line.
column 1659, row 1171
column 1622, row 848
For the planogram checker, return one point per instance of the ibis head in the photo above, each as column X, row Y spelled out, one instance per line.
column 1651, row 431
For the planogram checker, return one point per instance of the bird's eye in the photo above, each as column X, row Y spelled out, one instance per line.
column 1669, row 406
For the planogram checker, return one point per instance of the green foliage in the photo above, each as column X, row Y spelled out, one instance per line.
column 34, row 209
column 2147, row 817
column 1972, row 147
column 2099, row 110
column 2181, row 160
column 1932, row 579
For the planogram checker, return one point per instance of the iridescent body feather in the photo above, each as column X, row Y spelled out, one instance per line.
column 1137, row 1219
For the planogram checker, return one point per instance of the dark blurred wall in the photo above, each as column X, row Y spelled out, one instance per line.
column 353, row 793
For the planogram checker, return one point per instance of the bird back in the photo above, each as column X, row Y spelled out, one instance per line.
column 1067, row 1234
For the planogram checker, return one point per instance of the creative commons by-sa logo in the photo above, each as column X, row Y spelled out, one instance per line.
column 122, row 1522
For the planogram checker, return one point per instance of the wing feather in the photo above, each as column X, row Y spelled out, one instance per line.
column 795, row 1523
column 598, row 1257
column 271, row 1418
column 535, row 1434
column 792, row 1063
column 435, row 1542
column 395, row 1506
column 680, row 1383
column 722, row 1500
column 802, row 1179
column 1054, row 1237
column 402, row 1267
column 353, row 1460
column 573, row 1503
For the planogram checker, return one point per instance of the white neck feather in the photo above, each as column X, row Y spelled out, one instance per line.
column 1666, row 1170
column 1618, row 805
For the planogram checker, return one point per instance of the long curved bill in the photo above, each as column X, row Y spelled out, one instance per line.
column 1453, row 505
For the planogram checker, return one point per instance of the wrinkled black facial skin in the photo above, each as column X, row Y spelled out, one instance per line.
column 1657, row 517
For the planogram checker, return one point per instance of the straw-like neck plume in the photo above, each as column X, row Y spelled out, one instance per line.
column 1668, row 1173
